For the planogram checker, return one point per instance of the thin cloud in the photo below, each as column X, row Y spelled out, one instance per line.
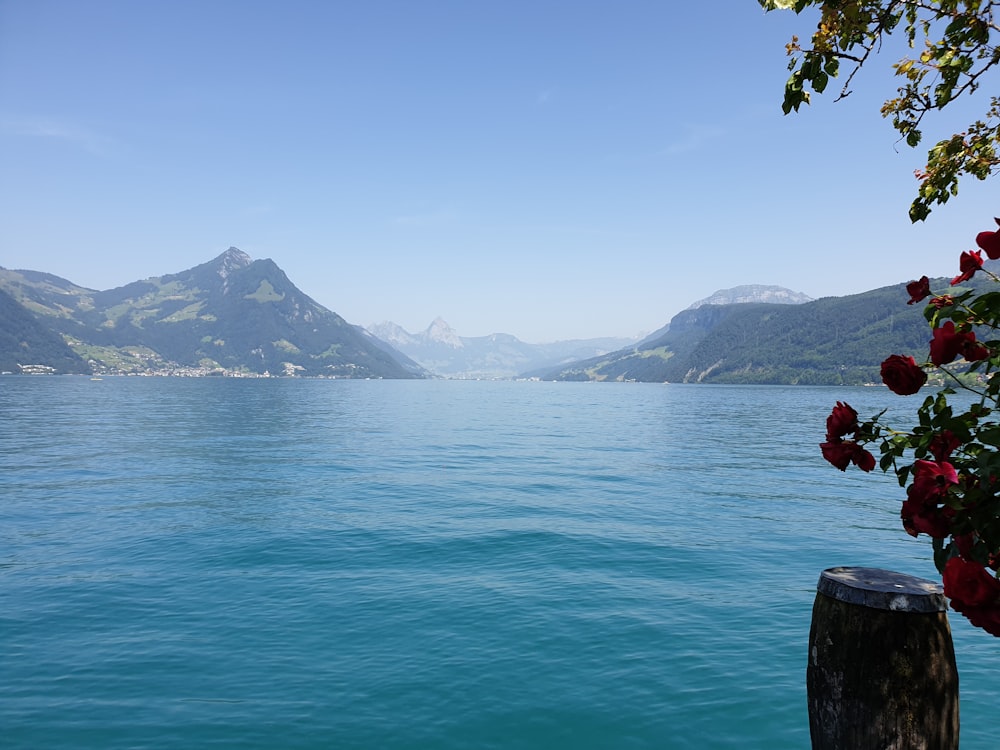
column 695, row 138
column 56, row 129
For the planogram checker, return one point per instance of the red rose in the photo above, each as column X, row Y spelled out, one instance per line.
column 921, row 515
column 973, row 592
column 838, row 453
column 902, row 374
column 990, row 242
column 841, row 453
column 967, row 583
column 964, row 544
column 932, row 478
column 974, row 351
column 968, row 264
column 943, row 444
column 842, row 420
column 863, row 459
column 987, row 618
column 949, row 343
column 918, row 290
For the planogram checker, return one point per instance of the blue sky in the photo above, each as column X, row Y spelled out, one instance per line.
column 547, row 169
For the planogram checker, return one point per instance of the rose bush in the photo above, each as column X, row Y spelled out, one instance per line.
column 949, row 462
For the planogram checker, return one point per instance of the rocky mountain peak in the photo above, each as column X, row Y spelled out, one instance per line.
column 232, row 260
column 442, row 333
column 753, row 293
column 391, row 333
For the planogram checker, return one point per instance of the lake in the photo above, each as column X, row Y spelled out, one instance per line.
column 429, row 564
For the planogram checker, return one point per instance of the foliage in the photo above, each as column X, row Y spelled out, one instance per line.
column 954, row 45
column 950, row 460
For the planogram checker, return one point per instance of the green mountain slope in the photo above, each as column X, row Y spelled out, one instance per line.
column 26, row 343
column 232, row 313
column 835, row 340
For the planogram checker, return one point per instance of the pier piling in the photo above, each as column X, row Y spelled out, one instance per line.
column 881, row 670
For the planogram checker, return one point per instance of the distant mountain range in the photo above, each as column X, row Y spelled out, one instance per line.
column 238, row 316
column 232, row 315
column 442, row 351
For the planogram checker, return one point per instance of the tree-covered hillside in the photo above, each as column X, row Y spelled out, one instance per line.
column 835, row 340
column 26, row 342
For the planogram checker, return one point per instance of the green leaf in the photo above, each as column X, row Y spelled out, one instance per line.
column 990, row 436
column 919, row 210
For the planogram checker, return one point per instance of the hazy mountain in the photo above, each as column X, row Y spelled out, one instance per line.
column 834, row 340
column 392, row 334
column 443, row 352
column 442, row 334
column 749, row 293
column 232, row 313
column 744, row 294
column 408, row 364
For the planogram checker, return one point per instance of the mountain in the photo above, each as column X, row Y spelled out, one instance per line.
column 440, row 333
column 748, row 293
column 443, row 352
column 408, row 364
column 237, row 315
column 744, row 294
column 25, row 341
column 829, row 341
column 232, row 314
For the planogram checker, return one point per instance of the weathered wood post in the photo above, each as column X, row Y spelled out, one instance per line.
column 882, row 671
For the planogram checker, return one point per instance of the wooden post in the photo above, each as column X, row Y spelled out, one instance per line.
column 882, row 672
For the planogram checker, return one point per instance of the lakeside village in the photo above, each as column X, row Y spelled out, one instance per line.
column 177, row 372
column 181, row 371
column 348, row 372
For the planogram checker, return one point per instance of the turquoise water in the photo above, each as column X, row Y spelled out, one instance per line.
column 376, row 564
